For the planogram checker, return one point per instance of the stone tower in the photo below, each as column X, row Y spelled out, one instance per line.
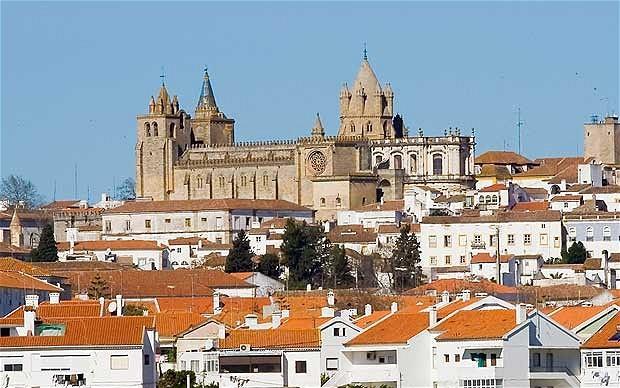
column 602, row 140
column 15, row 228
column 318, row 132
column 366, row 108
column 209, row 125
column 163, row 135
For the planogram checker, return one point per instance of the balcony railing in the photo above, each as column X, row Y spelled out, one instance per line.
column 554, row 369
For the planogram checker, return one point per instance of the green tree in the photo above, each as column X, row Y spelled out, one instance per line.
column 46, row 250
column 17, row 190
column 126, row 191
column 176, row 379
column 239, row 258
column 98, row 288
column 270, row 265
column 134, row 310
column 339, row 269
column 576, row 254
column 404, row 262
column 304, row 250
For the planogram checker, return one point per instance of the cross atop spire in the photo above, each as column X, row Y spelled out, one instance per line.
column 365, row 57
column 163, row 76
column 206, row 101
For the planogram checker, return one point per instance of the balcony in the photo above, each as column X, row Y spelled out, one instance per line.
column 555, row 372
column 478, row 245
column 375, row 373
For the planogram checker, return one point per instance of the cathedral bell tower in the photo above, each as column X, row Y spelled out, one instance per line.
column 366, row 109
column 209, row 125
column 162, row 136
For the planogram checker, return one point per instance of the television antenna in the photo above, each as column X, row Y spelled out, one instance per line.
column 520, row 124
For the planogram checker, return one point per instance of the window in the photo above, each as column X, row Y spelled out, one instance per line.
column 556, row 242
column 378, row 159
column 437, row 164
column 381, row 360
column 493, row 359
column 155, row 130
column 13, row 367
column 369, row 127
column 108, row 225
column 147, row 129
column 482, row 383
column 536, row 360
column 565, row 204
column 210, row 366
column 300, row 367
column 194, row 366
column 481, row 199
column 331, row 364
column 128, row 225
column 338, row 202
column 544, row 239
column 589, row 233
column 527, row 239
column 432, row 241
column 448, row 260
column 457, row 358
column 494, row 199
column 167, row 220
column 593, row 359
column 613, row 358
column 447, row 241
column 433, row 260
column 199, row 182
column 218, row 240
column 219, row 223
column 221, row 181
column 572, row 234
column 119, row 362
column 477, row 239
column 5, row 332
column 147, row 359
column 462, row 240
column 203, row 219
column 606, row 234
column 265, row 180
column 511, row 239
column 543, row 226
column 188, row 222
column 413, row 164
column 244, row 180
column 147, row 224
column 446, row 358
column 322, row 202
column 398, row 162
column 462, row 260
column 172, row 132
column 480, row 358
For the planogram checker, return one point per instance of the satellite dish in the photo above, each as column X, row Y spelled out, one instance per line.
column 112, row 307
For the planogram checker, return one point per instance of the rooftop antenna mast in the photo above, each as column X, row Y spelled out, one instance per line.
column 519, row 125
column 75, row 181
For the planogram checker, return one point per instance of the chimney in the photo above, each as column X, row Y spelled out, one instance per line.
column 445, row 297
column 345, row 314
column 521, row 312
column 276, row 319
column 308, row 287
column 466, row 295
column 432, row 316
column 71, row 246
column 331, row 299
column 394, row 307
column 606, row 268
column 367, row 309
column 251, row 321
column 30, row 315
column 216, row 303
column 286, row 313
column 104, row 197
column 221, row 331
column 200, row 243
column 54, row 297
column 32, row 300
column 119, row 305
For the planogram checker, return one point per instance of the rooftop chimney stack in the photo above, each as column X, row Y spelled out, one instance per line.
column 432, row 316
column 331, row 298
column 251, row 321
column 30, row 315
column 276, row 319
column 521, row 312
column 32, row 300
column 367, row 309
column 216, row 303
column 466, row 295
column 119, row 305
column 394, row 307
column 445, row 297
column 54, row 297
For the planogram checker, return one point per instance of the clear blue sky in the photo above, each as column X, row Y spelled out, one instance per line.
column 76, row 74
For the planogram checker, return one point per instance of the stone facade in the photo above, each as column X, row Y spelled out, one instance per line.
column 183, row 157
column 602, row 141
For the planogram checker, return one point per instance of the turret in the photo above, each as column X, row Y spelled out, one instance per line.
column 317, row 130
column 210, row 125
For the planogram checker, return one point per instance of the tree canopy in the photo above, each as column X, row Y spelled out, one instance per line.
column 270, row 265
column 239, row 258
column 46, row 250
column 126, row 190
column 404, row 262
column 339, row 269
column 17, row 190
column 98, row 288
column 305, row 250
column 576, row 254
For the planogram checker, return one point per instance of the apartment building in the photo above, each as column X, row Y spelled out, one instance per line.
column 145, row 255
column 598, row 231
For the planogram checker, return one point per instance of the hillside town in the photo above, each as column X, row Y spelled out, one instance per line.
column 376, row 256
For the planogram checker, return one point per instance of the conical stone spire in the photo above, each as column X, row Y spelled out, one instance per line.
column 317, row 129
column 207, row 98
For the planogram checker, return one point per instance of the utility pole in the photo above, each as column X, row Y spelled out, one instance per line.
column 519, row 125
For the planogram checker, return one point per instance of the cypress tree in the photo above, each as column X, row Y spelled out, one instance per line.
column 46, row 250
column 239, row 258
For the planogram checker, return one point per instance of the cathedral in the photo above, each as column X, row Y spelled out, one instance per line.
column 372, row 158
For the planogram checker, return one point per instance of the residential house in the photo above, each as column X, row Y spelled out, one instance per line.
column 144, row 254
column 373, row 215
column 355, row 237
column 265, row 285
column 484, row 265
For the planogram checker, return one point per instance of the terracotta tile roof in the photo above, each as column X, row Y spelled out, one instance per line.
column 562, row 292
column 12, row 279
column 368, row 320
column 242, row 275
column 351, row 234
column 62, row 204
column 90, row 228
column 388, row 229
column 606, row 337
column 398, row 205
column 171, row 324
column 234, row 310
column 508, row 216
column 57, row 268
column 450, row 199
column 455, row 306
column 102, row 245
column 303, row 323
column 197, row 304
column 530, row 206
column 485, row 257
column 490, row 170
column 573, row 316
column 213, row 246
column 503, row 157
column 611, row 189
column 592, row 263
column 141, row 284
column 103, row 331
column 258, row 231
column 577, row 187
column 206, row 204
column 274, row 223
column 64, row 309
column 563, row 169
column 476, row 325
column 566, row 198
column 455, row 286
column 272, row 339
column 395, row 329
column 184, row 241
column 11, row 264
column 535, row 190
column 7, row 249
column 493, row 188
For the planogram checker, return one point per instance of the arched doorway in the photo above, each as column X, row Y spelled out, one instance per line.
column 382, row 189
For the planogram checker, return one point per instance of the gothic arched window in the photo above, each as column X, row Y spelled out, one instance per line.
column 322, row 202
column 265, row 180
column 413, row 163
column 155, row 130
column 147, row 129
column 369, row 127
column 398, row 162
column 244, row 180
column 199, row 182
column 338, row 202
column 437, row 164
column 221, row 181
column 172, row 132
column 352, row 127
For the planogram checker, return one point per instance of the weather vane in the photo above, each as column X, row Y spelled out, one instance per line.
column 163, row 76
column 365, row 52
